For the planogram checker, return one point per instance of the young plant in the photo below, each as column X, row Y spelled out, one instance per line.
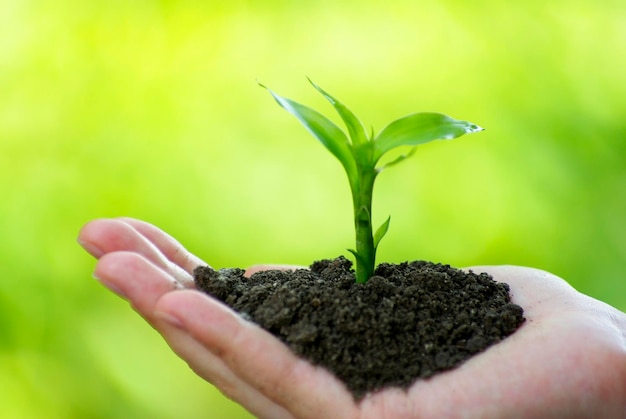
column 360, row 152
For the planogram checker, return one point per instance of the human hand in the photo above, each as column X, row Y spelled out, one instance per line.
column 568, row 360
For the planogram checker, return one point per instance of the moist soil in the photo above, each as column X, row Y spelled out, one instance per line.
column 409, row 321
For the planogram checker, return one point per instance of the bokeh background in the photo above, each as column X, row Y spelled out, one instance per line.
column 150, row 109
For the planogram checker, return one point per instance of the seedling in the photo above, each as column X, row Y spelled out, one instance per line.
column 360, row 152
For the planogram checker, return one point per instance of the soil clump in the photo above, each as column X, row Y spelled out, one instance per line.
column 409, row 321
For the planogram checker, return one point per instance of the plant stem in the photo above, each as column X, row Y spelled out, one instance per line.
column 362, row 200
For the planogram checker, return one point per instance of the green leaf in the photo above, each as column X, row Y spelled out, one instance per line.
column 357, row 132
column 326, row 132
column 360, row 261
column 399, row 159
column 356, row 255
column 420, row 128
column 380, row 233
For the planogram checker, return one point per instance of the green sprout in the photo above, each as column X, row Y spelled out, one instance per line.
column 360, row 153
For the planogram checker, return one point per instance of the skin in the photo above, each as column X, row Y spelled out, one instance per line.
column 568, row 360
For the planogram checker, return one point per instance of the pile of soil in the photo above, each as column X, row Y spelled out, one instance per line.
column 409, row 321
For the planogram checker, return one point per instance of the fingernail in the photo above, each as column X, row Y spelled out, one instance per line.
column 170, row 319
column 94, row 250
column 112, row 288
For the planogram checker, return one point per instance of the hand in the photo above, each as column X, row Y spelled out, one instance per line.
column 568, row 360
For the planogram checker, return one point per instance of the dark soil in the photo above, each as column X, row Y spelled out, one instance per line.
column 409, row 321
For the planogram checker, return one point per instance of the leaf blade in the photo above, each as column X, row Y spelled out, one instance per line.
column 380, row 233
column 324, row 130
column 420, row 128
column 399, row 159
column 356, row 130
column 360, row 261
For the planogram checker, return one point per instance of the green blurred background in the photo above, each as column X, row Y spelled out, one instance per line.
column 150, row 109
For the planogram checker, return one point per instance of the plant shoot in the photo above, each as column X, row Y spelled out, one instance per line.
column 360, row 152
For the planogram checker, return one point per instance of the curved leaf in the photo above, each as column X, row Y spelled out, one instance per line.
column 357, row 255
column 380, row 233
column 326, row 132
column 357, row 132
column 399, row 159
column 361, row 262
column 420, row 128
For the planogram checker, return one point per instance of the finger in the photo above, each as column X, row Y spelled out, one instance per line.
column 211, row 368
column 136, row 279
column 168, row 246
column 259, row 359
column 139, row 281
column 103, row 236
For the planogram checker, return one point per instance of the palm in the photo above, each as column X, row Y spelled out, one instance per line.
column 567, row 360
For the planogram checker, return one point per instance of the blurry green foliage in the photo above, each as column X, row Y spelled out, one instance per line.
column 150, row 109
